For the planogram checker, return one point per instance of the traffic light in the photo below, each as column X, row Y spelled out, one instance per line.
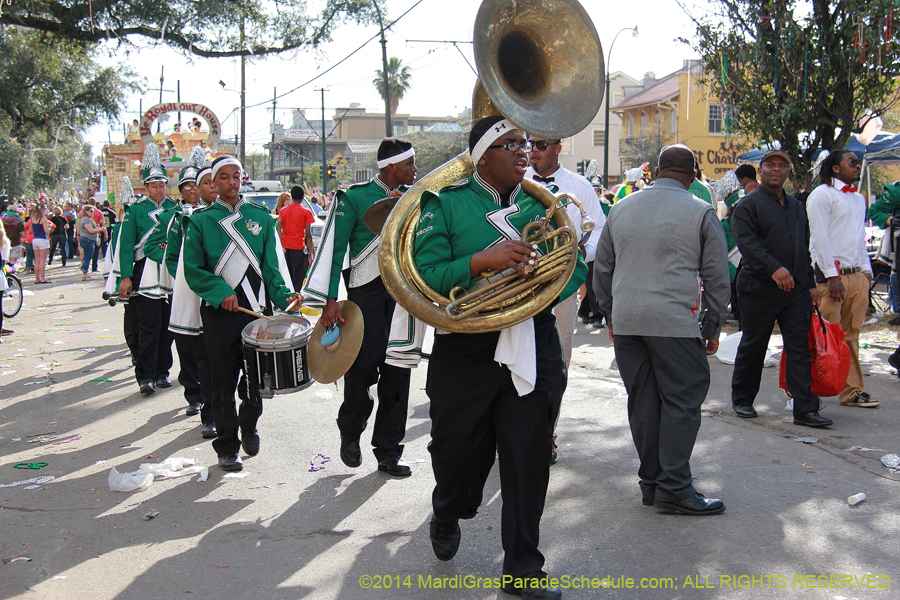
column 329, row 172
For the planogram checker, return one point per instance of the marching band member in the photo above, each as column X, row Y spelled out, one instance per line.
column 345, row 227
column 164, row 246
column 546, row 170
column 149, row 279
column 230, row 260
column 492, row 393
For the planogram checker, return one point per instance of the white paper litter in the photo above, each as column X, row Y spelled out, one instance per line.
column 234, row 475
column 807, row 440
column 143, row 477
column 891, row 461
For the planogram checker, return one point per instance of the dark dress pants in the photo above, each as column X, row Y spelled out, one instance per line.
column 194, row 373
column 377, row 308
column 131, row 328
column 761, row 304
column 297, row 262
column 667, row 380
column 70, row 234
column 222, row 337
column 589, row 306
column 476, row 413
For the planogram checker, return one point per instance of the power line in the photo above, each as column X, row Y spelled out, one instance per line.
column 334, row 66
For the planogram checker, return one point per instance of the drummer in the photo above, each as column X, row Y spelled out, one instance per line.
column 164, row 246
column 230, row 260
column 345, row 228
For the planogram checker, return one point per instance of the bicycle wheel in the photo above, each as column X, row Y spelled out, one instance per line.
column 12, row 297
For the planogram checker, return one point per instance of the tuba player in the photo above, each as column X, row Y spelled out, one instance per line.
column 499, row 392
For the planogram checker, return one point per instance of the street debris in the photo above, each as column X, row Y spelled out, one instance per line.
column 863, row 449
column 312, row 463
column 144, row 476
column 71, row 439
column 17, row 558
column 807, row 440
column 42, row 438
column 891, row 461
column 151, row 515
column 33, row 480
column 234, row 475
column 856, row 499
column 28, row 465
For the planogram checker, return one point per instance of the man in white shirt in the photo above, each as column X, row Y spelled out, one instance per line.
column 544, row 168
column 837, row 218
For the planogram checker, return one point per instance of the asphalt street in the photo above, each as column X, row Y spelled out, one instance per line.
column 286, row 530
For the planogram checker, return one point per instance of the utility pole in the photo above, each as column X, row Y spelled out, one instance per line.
column 243, row 150
column 161, row 90
column 272, row 147
column 178, row 99
column 324, row 158
column 388, row 124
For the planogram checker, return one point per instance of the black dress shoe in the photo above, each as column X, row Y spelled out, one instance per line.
column 534, row 586
column 554, row 454
column 6, row 332
column 393, row 466
column 744, row 412
column 350, row 453
column 648, row 494
column 697, row 505
column 812, row 419
column 231, row 462
column 163, row 382
column 445, row 537
column 147, row 387
column 208, row 431
column 250, row 443
column 193, row 409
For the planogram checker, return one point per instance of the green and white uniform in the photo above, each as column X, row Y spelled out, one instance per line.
column 466, row 218
column 137, row 226
column 345, row 231
column 229, row 249
column 463, row 219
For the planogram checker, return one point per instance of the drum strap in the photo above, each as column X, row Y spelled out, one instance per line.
column 256, row 299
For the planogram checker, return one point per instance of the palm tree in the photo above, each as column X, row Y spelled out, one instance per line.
column 398, row 82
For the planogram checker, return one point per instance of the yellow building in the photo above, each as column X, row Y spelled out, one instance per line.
column 677, row 109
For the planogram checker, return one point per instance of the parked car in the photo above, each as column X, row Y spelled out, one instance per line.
column 270, row 199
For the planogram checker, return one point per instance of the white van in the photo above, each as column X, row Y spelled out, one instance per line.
column 262, row 185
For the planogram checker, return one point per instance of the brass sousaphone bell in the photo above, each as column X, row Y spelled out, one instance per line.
column 541, row 66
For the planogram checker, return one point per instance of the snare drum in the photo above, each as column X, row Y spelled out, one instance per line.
column 275, row 354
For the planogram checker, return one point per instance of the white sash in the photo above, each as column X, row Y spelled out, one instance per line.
column 315, row 291
column 516, row 346
column 185, row 317
column 408, row 340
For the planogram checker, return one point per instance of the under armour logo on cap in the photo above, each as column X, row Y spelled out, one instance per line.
column 500, row 128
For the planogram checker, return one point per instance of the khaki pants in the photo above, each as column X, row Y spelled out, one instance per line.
column 850, row 314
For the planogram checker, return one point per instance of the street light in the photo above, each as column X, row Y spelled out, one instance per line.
column 634, row 31
column 241, row 150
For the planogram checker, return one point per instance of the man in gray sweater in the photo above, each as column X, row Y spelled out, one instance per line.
column 657, row 246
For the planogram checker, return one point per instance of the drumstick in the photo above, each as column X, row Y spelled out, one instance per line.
column 291, row 305
column 255, row 314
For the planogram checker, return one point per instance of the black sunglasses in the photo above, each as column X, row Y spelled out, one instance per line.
column 542, row 145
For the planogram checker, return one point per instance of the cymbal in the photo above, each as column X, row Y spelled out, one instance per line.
column 378, row 213
column 327, row 364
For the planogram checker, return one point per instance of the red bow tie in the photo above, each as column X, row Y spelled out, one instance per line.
column 847, row 188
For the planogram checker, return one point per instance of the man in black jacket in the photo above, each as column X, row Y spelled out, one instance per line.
column 776, row 283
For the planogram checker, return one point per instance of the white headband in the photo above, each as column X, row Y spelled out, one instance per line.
column 498, row 129
column 396, row 158
column 229, row 160
column 202, row 172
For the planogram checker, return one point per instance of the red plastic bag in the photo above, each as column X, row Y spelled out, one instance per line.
column 829, row 358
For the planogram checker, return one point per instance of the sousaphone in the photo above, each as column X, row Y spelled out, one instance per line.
column 541, row 66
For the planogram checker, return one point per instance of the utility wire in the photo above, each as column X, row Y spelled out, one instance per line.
column 334, row 66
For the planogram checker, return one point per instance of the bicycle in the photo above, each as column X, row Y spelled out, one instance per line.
column 12, row 295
